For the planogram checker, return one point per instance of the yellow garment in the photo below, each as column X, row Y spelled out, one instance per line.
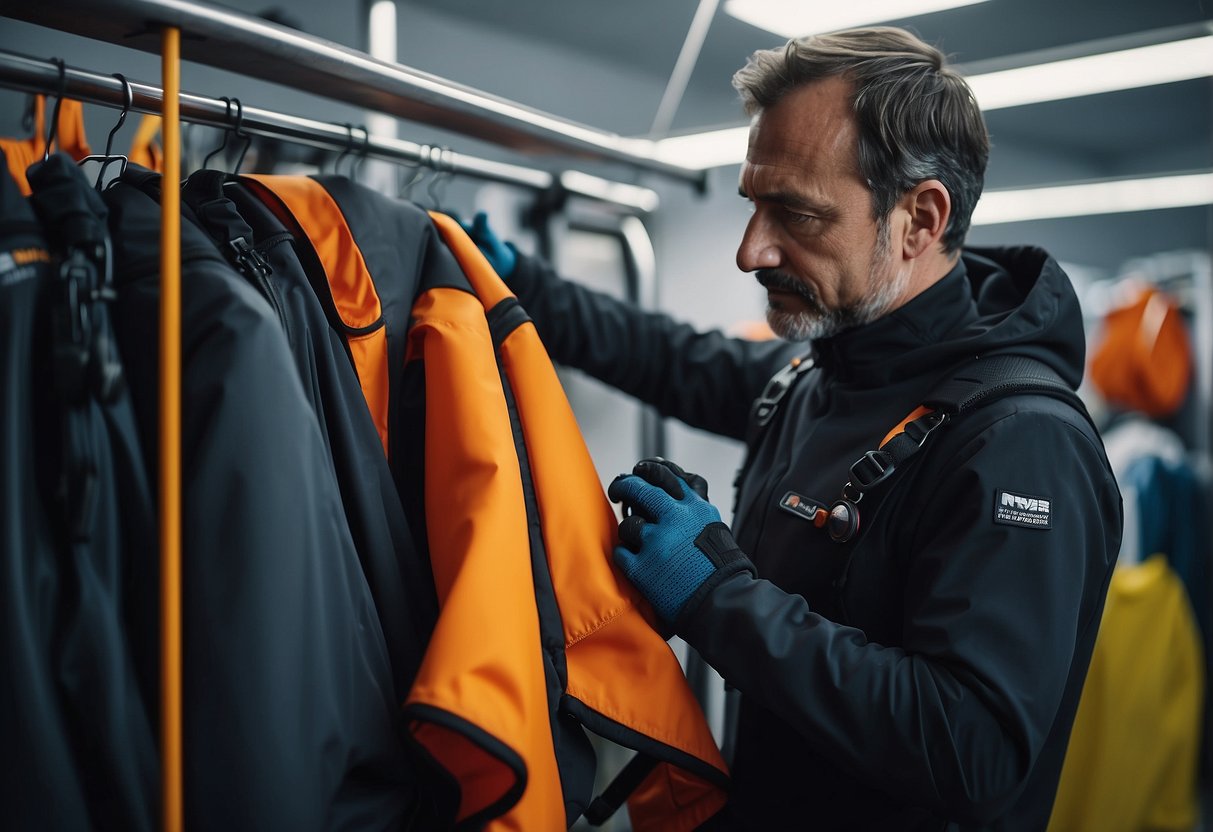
column 1132, row 760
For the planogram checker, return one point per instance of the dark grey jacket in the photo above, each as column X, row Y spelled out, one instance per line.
column 927, row 673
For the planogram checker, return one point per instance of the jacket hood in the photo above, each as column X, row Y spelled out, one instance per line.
column 994, row 301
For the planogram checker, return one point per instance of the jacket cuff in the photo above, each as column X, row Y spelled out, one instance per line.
column 736, row 566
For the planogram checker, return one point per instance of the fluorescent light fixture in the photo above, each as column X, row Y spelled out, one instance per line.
column 713, row 149
column 1144, row 66
column 794, row 18
column 1113, row 197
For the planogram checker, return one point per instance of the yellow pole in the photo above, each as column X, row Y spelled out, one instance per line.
column 170, row 442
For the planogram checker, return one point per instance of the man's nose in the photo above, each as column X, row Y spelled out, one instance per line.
column 758, row 249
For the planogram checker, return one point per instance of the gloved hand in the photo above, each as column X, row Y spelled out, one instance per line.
column 501, row 256
column 675, row 549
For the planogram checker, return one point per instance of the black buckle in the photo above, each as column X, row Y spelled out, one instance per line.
column 71, row 331
column 924, row 425
column 873, row 468
column 248, row 259
column 768, row 401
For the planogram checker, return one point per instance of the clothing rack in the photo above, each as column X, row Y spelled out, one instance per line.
column 258, row 48
column 42, row 76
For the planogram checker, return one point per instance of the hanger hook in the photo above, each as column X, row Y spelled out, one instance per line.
column 248, row 139
column 418, row 169
column 363, row 152
column 227, row 113
column 53, row 127
column 345, row 151
column 442, row 171
column 128, row 100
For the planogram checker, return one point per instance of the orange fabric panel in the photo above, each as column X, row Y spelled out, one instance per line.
column 1143, row 360
column 144, row 150
column 371, row 364
column 484, row 661
column 672, row 800
column 483, row 777
column 313, row 211
column 617, row 664
column 70, row 138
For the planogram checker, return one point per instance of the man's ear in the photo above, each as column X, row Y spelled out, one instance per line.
column 929, row 205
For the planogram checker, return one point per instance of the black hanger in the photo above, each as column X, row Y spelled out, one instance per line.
column 404, row 189
column 53, row 127
column 443, row 171
column 248, row 139
column 360, row 155
column 128, row 99
column 227, row 112
column 234, row 131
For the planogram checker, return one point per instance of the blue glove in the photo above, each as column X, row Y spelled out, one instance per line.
column 501, row 256
column 676, row 549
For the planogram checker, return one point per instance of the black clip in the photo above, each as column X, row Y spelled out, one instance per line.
column 248, row 259
column 71, row 329
column 779, row 385
column 871, row 469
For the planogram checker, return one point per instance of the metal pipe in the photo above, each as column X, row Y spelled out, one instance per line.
column 257, row 48
column 41, row 76
column 676, row 87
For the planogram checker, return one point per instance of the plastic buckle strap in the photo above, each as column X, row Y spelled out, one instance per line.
column 873, row 468
column 71, row 330
column 248, row 259
column 922, row 427
column 779, row 385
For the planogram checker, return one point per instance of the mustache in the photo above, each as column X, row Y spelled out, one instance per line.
column 775, row 279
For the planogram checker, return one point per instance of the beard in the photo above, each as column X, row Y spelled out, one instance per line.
column 819, row 321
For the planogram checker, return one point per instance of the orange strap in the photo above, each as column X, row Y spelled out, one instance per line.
column 921, row 410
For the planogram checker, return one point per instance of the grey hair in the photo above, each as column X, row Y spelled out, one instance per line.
column 917, row 117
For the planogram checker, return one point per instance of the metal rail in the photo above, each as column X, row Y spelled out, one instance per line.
column 260, row 49
column 42, row 76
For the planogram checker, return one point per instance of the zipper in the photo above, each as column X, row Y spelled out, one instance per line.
column 257, row 269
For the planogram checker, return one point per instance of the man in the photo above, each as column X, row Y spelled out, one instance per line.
column 924, row 671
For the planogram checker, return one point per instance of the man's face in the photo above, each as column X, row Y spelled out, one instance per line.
column 812, row 241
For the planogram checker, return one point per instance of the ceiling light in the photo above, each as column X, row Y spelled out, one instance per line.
column 713, row 149
column 794, row 18
column 1145, row 66
column 1113, row 197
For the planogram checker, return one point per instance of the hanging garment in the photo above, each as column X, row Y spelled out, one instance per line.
column 290, row 717
column 1143, row 358
column 257, row 245
column 76, row 528
column 145, row 150
column 536, row 635
column 69, row 139
column 1131, row 762
column 1170, row 497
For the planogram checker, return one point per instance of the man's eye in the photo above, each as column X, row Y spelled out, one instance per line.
column 797, row 218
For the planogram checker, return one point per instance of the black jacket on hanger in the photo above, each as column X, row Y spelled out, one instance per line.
column 394, row 562
column 926, row 674
column 290, row 709
column 77, row 542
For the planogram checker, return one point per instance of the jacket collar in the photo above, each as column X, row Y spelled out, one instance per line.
column 892, row 346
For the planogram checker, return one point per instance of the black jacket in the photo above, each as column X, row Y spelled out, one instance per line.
column 78, row 560
column 925, row 674
column 290, row 712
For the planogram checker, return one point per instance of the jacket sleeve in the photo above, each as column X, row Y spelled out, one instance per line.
column 994, row 615
column 702, row 378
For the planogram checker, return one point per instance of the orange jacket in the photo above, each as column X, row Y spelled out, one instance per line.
column 537, row 634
